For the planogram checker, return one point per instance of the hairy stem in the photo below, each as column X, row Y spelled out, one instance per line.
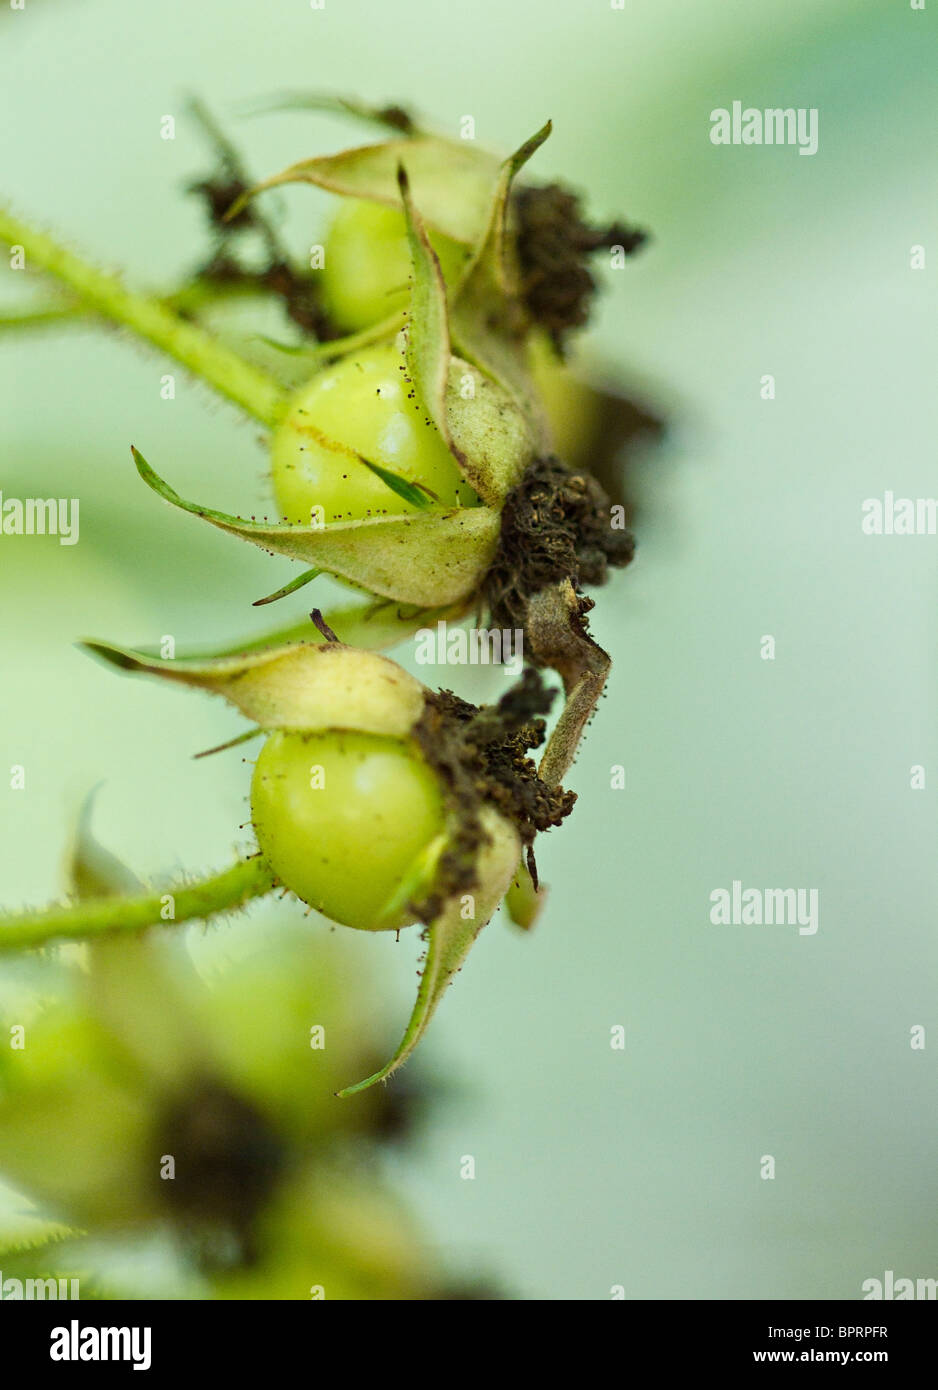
column 559, row 639
column 191, row 299
column 565, row 737
column 91, row 917
column 151, row 320
column 43, row 317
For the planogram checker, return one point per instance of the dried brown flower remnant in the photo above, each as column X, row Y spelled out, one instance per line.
column 555, row 525
column 481, row 754
column 553, row 243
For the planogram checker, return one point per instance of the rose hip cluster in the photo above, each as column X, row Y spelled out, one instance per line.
column 415, row 455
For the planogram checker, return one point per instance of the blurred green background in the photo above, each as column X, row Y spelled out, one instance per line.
column 594, row 1167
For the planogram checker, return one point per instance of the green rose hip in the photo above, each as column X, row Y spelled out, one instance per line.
column 367, row 264
column 341, row 817
column 375, row 800
column 419, row 467
column 361, row 408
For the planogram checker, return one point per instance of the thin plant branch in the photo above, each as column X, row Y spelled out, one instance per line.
column 94, row 917
column 152, row 320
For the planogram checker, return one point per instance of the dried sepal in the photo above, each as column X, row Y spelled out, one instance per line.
column 451, row 180
column 374, row 625
column 427, row 349
column 482, row 425
column 451, row 935
column 428, row 558
column 303, row 686
column 488, row 321
column 489, row 429
column 390, row 116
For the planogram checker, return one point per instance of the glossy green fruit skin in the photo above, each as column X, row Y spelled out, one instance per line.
column 367, row 264
column 345, row 846
column 361, row 405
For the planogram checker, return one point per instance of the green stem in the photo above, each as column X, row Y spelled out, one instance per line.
column 41, row 318
column 341, row 347
column 153, row 321
column 190, row 299
column 81, row 921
